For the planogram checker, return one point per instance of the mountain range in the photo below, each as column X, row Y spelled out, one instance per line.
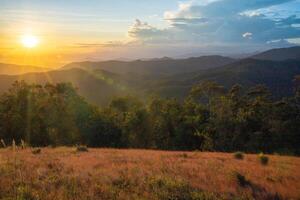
column 12, row 69
column 98, row 82
column 155, row 67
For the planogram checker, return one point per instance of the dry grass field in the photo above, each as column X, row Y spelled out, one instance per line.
column 64, row 174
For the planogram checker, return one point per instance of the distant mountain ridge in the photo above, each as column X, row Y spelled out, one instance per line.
column 13, row 69
column 276, row 75
column 98, row 82
column 164, row 66
column 280, row 54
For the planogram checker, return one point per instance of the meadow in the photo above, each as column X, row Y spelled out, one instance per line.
column 66, row 173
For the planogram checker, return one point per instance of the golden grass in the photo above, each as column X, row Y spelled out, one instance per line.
column 62, row 173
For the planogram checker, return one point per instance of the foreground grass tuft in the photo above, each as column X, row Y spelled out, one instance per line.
column 2, row 143
column 166, row 188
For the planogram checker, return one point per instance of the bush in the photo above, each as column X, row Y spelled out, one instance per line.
column 264, row 160
column 239, row 155
column 82, row 149
column 240, row 179
column 184, row 155
column 36, row 151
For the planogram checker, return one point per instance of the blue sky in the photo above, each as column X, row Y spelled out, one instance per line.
column 152, row 28
column 95, row 12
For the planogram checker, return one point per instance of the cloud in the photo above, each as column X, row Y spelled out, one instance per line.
column 104, row 44
column 225, row 8
column 221, row 22
column 247, row 35
column 146, row 32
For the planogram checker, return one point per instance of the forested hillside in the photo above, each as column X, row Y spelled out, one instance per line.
column 97, row 87
column 281, row 54
column 249, row 105
column 211, row 118
column 99, row 82
column 276, row 75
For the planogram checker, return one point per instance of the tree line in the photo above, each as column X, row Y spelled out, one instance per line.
column 211, row 118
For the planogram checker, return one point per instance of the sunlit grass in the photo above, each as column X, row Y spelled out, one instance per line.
column 64, row 173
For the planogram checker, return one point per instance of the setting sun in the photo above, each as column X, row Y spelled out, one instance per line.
column 29, row 41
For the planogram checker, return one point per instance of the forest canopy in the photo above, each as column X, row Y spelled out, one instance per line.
column 211, row 118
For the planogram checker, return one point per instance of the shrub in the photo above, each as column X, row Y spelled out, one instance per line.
column 239, row 155
column 264, row 160
column 36, row 151
column 240, row 179
column 184, row 155
column 82, row 149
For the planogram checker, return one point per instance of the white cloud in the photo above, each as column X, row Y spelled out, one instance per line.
column 220, row 22
column 247, row 35
column 144, row 31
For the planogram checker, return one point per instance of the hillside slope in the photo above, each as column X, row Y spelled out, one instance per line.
column 278, row 76
column 100, row 81
column 63, row 173
column 97, row 88
column 280, row 54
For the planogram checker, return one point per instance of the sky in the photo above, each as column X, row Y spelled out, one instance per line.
column 76, row 30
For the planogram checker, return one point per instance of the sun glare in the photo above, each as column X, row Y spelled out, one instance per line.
column 29, row 41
